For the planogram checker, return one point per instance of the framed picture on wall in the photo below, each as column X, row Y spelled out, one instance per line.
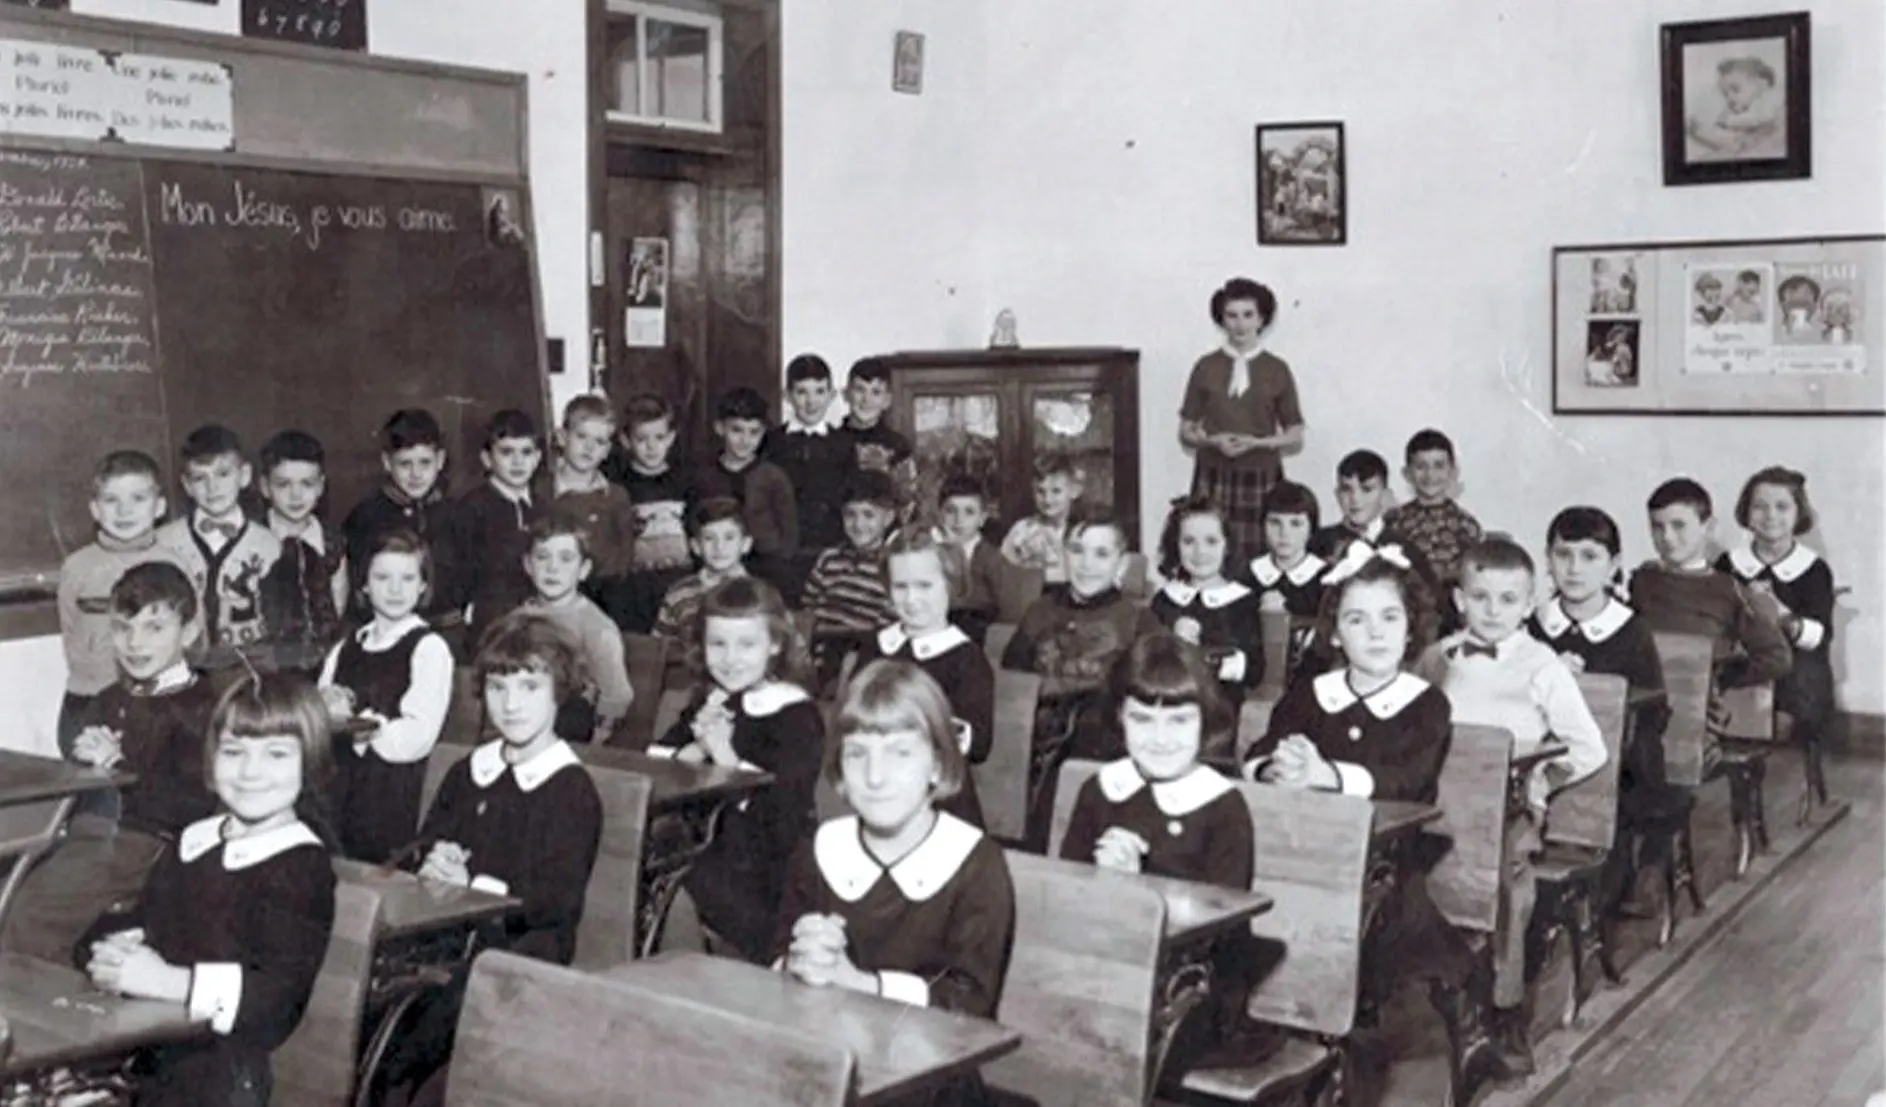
column 907, row 63
column 1735, row 100
column 1302, row 185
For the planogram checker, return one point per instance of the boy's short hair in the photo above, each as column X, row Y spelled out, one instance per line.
column 1426, row 441
column 1706, row 282
column 557, row 523
column 1082, row 520
column 644, row 408
column 512, row 423
column 209, row 442
column 1496, row 553
column 961, row 485
column 292, row 445
column 1782, row 476
column 126, row 463
column 869, row 369
column 872, row 487
column 807, row 367
column 1682, row 490
column 588, row 406
column 409, row 427
column 1056, row 463
column 1363, row 466
column 522, row 642
column 715, row 509
column 154, row 582
column 741, row 403
column 1749, row 276
column 1288, row 497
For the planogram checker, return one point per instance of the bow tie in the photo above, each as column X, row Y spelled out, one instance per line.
column 210, row 528
column 819, row 430
column 1471, row 648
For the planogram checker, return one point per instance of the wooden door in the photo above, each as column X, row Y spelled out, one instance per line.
column 653, row 251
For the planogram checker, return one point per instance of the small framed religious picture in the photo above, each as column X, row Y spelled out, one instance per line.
column 907, row 64
column 1735, row 100
column 1302, row 185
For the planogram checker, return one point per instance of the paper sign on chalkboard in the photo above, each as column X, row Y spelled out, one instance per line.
column 49, row 90
column 341, row 24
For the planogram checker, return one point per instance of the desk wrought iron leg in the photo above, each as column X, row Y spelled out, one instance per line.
column 1183, row 985
column 676, row 839
column 365, row 1094
column 1379, row 885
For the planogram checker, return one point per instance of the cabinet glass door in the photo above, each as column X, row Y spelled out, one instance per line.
column 956, row 433
column 1080, row 425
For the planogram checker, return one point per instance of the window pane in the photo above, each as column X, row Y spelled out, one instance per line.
column 1080, row 426
column 677, row 57
column 957, row 433
column 625, row 92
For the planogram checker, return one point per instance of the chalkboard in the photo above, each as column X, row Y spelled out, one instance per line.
column 141, row 298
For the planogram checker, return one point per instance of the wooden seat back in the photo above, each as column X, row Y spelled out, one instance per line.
column 668, row 710
column 541, row 1034
column 1312, row 860
column 1465, row 884
column 1002, row 778
column 606, row 936
column 315, row 1066
column 646, row 657
column 1067, row 788
column 1687, row 663
column 1136, row 581
column 1750, row 712
column 1080, row 985
column 1586, row 814
column 1253, row 724
column 1273, row 629
column 1015, row 589
column 27, row 832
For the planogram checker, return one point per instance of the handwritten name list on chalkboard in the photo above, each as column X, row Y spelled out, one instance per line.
column 49, row 90
column 75, row 270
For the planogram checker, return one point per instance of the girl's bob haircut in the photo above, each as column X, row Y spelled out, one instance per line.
column 1377, row 570
column 523, row 642
column 279, row 705
column 888, row 696
column 918, row 540
column 400, row 542
column 751, row 598
column 1164, row 670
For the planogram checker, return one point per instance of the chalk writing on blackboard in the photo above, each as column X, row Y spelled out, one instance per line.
column 341, row 24
column 314, row 224
column 75, row 272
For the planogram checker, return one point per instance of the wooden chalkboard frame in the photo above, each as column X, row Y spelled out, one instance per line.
column 432, row 122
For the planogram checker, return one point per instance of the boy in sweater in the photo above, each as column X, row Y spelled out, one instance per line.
column 127, row 502
column 1434, row 522
column 1495, row 674
column 807, row 447
column 152, row 722
column 225, row 553
column 762, row 488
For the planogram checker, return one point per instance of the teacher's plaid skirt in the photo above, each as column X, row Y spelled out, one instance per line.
column 1239, row 492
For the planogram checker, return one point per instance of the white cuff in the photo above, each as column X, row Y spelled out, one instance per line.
column 1232, row 667
column 749, row 766
column 216, row 993
column 965, row 734
column 666, row 753
column 1255, row 766
column 904, row 987
column 1352, row 779
column 490, row 884
column 1811, row 634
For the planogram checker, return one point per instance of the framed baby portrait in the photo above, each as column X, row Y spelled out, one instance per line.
column 1302, row 185
column 1760, row 327
column 1735, row 100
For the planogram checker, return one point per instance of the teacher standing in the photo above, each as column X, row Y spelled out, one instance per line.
column 1240, row 414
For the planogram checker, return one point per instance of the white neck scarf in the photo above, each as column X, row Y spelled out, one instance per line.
column 1241, row 368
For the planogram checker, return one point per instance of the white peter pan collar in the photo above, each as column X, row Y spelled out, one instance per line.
column 762, row 700
column 1121, row 780
column 488, row 764
column 1219, row 595
column 932, row 643
column 1554, row 621
column 1748, row 566
column 849, row 868
column 1333, row 694
column 204, row 835
column 1267, row 572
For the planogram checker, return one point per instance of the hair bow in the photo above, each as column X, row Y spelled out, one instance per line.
column 1361, row 553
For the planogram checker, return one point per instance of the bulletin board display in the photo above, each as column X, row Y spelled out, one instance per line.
column 1759, row 327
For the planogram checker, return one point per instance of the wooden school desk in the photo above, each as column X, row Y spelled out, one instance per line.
column 1197, row 915
column 69, row 1037
column 426, row 931
column 1525, row 756
column 684, row 808
column 1394, row 830
column 901, row 1050
column 37, row 795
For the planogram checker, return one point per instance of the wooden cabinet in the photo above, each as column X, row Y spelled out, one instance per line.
column 991, row 413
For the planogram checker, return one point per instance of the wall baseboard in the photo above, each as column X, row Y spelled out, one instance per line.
column 1859, row 734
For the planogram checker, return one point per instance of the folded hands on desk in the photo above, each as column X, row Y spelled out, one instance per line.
column 818, row 955
column 122, row 964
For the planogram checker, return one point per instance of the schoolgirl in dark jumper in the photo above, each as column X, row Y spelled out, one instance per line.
column 233, row 922
column 900, row 899
column 1775, row 510
column 925, row 575
column 396, row 673
column 749, row 714
column 1287, row 576
column 1215, row 615
column 519, row 817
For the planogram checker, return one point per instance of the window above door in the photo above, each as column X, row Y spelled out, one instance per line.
column 664, row 65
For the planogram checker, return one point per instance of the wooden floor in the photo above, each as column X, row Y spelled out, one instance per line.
column 1783, row 1006
column 1793, row 948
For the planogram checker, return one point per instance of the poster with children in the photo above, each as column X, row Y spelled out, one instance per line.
column 1727, row 317
column 1819, row 325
